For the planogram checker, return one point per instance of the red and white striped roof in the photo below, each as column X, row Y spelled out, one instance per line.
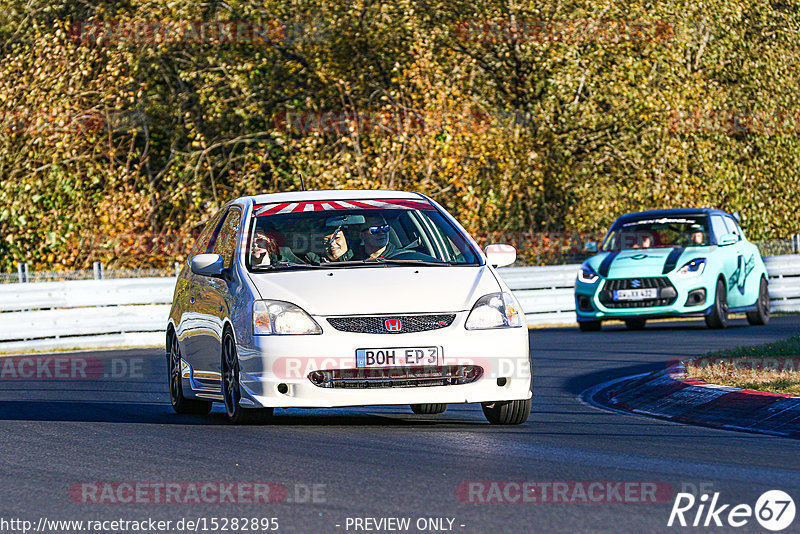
column 260, row 210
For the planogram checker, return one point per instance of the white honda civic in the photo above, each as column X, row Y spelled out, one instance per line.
column 345, row 298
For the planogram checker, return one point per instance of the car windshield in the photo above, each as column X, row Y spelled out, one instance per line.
column 354, row 233
column 658, row 232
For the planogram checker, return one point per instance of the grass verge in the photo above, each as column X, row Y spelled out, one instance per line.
column 773, row 367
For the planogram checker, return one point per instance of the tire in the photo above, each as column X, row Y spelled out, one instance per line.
column 424, row 409
column 180, row 403
column 635, row 324
column 590, row 326
column 231, row 390
column 761, row 315
column 718, row 318
column 507, row 412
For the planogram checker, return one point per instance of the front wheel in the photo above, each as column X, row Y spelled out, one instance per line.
column 180, row 403
column 761, row 315
column 231, row 390
column 425, row 409
column 507, row 412
column 718, row 318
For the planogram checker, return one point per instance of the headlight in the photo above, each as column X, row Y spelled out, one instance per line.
column 274, row 317
column 497, row 310
column 693, row 268
column 586, row 274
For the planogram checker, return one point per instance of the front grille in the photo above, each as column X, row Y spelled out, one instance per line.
column 396, row 377
column 627, row 283
column 666, row 292
column 377, row 325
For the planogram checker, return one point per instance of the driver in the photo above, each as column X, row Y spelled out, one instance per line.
column 698, row 238
column 336, row 248
column 374, row 233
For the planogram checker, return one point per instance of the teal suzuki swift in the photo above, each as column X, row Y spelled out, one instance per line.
column 673, row 263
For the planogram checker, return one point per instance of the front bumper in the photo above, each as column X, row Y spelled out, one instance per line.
column 275, row 369
column 677, row 297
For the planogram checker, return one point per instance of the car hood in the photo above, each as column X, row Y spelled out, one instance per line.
column 378, row 290
column 645, row 262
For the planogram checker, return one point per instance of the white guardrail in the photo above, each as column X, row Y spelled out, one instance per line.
column 133, row 311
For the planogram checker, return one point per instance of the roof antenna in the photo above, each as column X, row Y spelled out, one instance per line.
column 302, row 183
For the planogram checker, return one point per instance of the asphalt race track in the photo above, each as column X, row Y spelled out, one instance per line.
column 387, row 462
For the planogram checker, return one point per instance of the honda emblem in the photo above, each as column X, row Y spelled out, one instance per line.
column 393, row 325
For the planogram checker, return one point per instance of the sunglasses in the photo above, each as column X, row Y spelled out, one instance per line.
column 374, row 230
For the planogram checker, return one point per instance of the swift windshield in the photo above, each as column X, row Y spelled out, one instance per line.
column 658, row 232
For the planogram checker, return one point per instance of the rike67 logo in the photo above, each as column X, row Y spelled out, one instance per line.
column 774, row 510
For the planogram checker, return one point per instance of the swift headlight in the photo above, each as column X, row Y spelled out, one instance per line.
column 497, row 310
column 693, row 268
column 586, row 274
column 275, row 317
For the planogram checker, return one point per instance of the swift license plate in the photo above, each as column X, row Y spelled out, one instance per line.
column 636, row 294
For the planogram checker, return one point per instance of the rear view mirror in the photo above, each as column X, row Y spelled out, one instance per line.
column 500, row 255
column 728, row 239
column 344, row 220
column 208, row 265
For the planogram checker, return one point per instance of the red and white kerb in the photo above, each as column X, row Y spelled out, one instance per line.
column 331, row 205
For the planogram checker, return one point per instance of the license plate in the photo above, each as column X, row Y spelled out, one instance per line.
column 398, row 357
column 636, row 294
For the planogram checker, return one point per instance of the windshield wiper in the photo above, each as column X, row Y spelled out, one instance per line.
column 378, row 261
column 279, row 265
column 392, row 261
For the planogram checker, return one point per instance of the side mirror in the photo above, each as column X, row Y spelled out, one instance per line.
column 500, row 255
column 208, row 265
column 728, row 239
column 591, row 246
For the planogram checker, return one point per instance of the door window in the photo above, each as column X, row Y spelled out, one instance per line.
column 718, row 227
column 204, row 239
column 225, row 244
column 733, row 228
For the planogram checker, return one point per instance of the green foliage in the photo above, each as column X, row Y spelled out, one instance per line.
column 516, row 116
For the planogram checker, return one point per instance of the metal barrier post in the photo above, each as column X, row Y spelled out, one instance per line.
column 98, row 270
column 22, row 273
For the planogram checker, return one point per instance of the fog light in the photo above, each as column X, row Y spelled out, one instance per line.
column 501, row 381
column 585, row 303
column 317, row 377
column 696, row 297
column 283, row 388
